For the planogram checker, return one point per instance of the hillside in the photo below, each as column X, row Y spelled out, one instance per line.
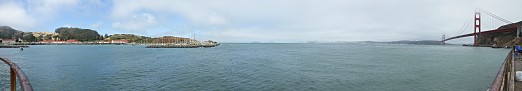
column 7, row 32
column 67, row 33
column 80, row 34
column 500, row 39
column 142, row 39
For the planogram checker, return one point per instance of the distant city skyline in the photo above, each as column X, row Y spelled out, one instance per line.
column 278, row 21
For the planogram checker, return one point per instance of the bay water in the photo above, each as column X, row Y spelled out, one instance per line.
column 266, row 67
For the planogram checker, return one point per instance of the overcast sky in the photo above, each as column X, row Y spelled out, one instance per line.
column 259, row 20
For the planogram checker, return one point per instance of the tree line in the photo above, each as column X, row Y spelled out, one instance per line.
column 65, row 33
column 68, row 33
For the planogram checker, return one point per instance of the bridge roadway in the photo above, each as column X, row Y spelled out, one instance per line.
column 485, row 32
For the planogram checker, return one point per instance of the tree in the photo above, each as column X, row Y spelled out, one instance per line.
column 29, row 37
column 105, row 36
column 18, row 40
column 77, row 33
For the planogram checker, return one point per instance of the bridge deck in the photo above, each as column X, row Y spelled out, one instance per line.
column 484, row 32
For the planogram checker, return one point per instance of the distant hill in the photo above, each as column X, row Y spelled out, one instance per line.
column 7, row 32
column 421, row 42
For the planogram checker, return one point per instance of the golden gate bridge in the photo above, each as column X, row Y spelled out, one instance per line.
column 493, row 21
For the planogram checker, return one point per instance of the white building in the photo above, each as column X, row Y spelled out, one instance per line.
column 7, row 41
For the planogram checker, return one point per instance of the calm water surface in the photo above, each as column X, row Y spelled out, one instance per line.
column 239, row 67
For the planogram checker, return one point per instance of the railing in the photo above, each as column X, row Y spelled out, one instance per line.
column 14, row 72
column 504, row 81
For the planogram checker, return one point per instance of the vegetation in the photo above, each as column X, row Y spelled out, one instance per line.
column 78, row 34
column 142, row 39
column 130, row 37
column 28, row 37
column 40, row 36
column 67, row 33
column 500, row 39
column 7, row 32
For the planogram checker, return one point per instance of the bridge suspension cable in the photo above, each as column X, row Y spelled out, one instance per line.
column 463, row 28
column 495, row 16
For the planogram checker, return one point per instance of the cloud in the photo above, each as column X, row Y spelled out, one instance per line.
column 136, row 23
column 16, row 16
column 67, row 25
column 96, row 25
column 261, row 20
column 296, row 20
column 206, row 13
column 27, row 15
column 50, row 7
column 215, row 19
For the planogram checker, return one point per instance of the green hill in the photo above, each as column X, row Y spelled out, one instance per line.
column 65, row 33
column 7, row 32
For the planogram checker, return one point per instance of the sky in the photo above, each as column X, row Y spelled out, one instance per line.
column 280, row 21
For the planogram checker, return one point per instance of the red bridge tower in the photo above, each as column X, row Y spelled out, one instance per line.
column 477, row 27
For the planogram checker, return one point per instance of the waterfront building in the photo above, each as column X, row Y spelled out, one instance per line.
column 120, row 41
column 8, row 41
column 60, row 42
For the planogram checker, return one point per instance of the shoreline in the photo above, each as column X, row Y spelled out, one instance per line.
column 13, row 46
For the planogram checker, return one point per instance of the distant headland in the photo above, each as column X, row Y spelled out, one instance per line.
column 413, row 42
column 70, row 35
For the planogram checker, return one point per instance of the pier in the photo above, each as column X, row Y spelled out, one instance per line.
column 505, row 79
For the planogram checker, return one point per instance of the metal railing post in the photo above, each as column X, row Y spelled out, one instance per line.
column 16, row 72
column 13, row 79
